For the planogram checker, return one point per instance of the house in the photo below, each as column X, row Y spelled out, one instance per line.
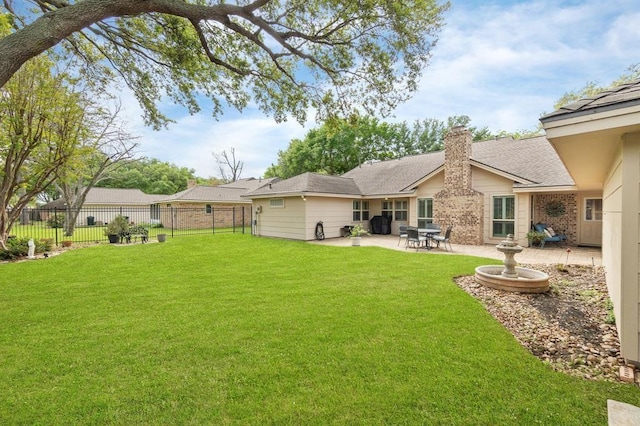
column 485, row 190
column 598, row 140
column 103, row 204
column 200, row 207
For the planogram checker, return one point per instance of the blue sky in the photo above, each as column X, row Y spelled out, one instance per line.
column 502, row 63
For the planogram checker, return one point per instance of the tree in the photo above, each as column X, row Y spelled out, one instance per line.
column 593, row 88
column 229, row 167
column 149, row 175
column 103, row 150
column 338, row 145
column 40, row 123
column 286, row 56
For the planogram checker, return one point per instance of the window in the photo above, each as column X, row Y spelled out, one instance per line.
column 360, row 210
column 387, row 209
column 401, row 210
column 277, row 203
column 504, row 213
column 207, row 208
column 593, row 209
column 425, row 212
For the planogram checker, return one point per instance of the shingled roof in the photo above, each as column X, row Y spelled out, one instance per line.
column 621, row 96
column 208, row 194
column 530, row 163
column 309, row 183
column 113, row 196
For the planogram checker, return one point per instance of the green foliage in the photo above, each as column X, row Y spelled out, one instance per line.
column 358, row 231
column 338, row 145
column 286, row 57
column 535, row 238
column 149, row 175
column 611, row 317
column 187, row 333
column 41, row 122
column 19, row 247
column 593, row 88
column 55, row 221
column 118, row 226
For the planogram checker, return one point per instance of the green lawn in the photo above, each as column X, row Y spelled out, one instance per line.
column 231, row 329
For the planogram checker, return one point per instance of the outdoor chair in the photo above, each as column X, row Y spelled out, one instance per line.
column 446, row 238
column 551, row 236
column 414, row 239
column 403, row 234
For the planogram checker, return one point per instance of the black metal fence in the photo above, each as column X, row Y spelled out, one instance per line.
column 90, row 224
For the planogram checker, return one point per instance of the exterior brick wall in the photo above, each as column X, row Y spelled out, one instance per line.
column 194, row 216
column 567, row 223
column 459, row 205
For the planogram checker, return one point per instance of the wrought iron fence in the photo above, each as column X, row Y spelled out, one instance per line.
column 90, row 224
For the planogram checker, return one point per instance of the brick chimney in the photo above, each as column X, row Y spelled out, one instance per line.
column 457, row 152
column 191, row 183
column 458, row 204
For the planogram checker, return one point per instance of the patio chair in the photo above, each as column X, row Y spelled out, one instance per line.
column 550, row 235
column 446, row 238
column 403, row 234
column 414, row 239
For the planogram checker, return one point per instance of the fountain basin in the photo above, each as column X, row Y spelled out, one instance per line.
column 528, row 280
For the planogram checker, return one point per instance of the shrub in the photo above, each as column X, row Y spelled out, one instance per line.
column 56, row 221
column 19, row 247
column 118, row 226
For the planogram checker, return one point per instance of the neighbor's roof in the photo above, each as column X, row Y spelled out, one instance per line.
column 113, row 196
column 309, row 183
column 226, row 193
column 622, row 96
column 208, row 194
column 530, row 163
column 249, row 184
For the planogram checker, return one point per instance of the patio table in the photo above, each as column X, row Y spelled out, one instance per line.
column 428, row 232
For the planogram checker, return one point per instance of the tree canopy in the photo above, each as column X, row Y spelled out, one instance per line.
column 592, row 88
column 339, row 145
column 285, row 56
column 150, row 175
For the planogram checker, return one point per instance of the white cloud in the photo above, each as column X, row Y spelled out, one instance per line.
column 502, row 63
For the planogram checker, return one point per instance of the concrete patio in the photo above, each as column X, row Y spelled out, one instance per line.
column 551, row 254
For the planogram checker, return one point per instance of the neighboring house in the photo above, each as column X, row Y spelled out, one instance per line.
column 103, row 204
column 598, row 139
column 485, row 190
column 199, row 207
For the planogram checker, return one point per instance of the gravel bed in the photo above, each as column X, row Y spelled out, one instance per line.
column 568, row 327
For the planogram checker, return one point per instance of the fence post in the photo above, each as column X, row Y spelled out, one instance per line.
column 171, row 211
column 55, row 216
column 213, row 217
column 243, row 219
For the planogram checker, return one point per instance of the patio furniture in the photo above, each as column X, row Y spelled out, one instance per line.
column 551, row 235
column 414, row 239
column 446, row 238
column 403, row 233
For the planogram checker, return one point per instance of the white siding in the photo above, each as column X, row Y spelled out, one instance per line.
column 334, row 213
column 630, row 247
column 287, row 222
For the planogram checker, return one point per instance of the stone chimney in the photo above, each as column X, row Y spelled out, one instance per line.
column 458, row 204
column 457, row 153
column 191, row 183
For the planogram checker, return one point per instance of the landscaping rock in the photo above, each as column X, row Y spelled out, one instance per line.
column 565, row 326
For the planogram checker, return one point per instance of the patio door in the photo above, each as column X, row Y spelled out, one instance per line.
column 591, row 221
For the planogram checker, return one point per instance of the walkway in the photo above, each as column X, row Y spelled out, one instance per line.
column 551, row 254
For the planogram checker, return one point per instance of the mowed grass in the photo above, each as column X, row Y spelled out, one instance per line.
column 233, row 329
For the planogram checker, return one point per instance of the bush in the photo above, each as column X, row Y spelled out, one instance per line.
column 56, row 221
column 19, row 247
